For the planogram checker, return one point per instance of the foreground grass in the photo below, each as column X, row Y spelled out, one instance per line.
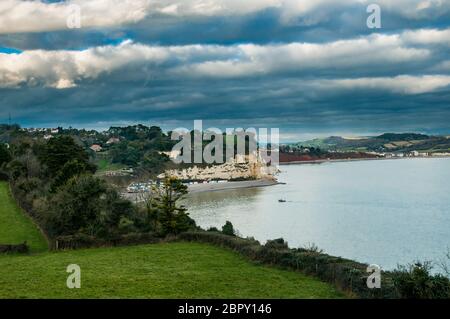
column 169, row 270
column 15, row 226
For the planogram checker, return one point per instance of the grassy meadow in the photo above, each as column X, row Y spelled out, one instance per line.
column 169, row 270
column 15, row 226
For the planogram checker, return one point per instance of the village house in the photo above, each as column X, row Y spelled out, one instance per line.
column 96, row 148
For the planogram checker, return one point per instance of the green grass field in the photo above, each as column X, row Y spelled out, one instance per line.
column 171, row 270
column 15, row 226
column 104, row 165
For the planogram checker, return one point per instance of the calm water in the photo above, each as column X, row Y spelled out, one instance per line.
column 383, row 212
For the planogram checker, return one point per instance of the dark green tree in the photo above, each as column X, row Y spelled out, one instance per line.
column 5, row 156
column 70, row 169
column 154, row 162
column 151, row 211
column 174, row 218
column 77, row 207
column 126, row 153
column 60, row 150
column 16, row 169
column 117, row 210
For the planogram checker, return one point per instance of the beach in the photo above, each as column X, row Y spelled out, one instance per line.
column 210, row 187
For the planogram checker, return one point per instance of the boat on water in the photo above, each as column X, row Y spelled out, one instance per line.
column 282, row 201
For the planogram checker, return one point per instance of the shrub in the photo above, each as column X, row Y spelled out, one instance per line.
column 228, row 229
column 5, row 155
column 278, row 243
column 14, row 249
column 416, row 282
column 312, row 248
column 125, row 225
column 84, row 241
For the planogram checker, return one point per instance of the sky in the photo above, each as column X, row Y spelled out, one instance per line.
column 309, row 68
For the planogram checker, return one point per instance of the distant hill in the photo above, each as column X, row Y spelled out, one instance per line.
column 382, row 143
column 402, row 137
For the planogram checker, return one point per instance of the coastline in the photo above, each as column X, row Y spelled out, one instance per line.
column 211, row 187
column 264, row 182
column 320, row 161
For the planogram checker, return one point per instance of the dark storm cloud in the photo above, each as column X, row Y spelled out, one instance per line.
column 231, row 104
column 307, row 69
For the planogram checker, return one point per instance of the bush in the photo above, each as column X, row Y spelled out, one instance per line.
column 277, row 244
column 311, row 248
column 5, row 155
column 228, row 229
column 14, row 249
column 416, row 282
column 84, row 241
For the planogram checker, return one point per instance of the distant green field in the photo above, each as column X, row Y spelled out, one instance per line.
column 172, row 270
column 105, row 165
column 15, row 226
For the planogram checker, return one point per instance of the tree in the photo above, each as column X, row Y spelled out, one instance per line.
column 174, row 219
column 126, row 153
column 77, row 206
column 16, row 169
column 154, row 162
column 70, row 169
column 60, row 150
column 151, row 210
column 120, row 213
column 5, row 156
